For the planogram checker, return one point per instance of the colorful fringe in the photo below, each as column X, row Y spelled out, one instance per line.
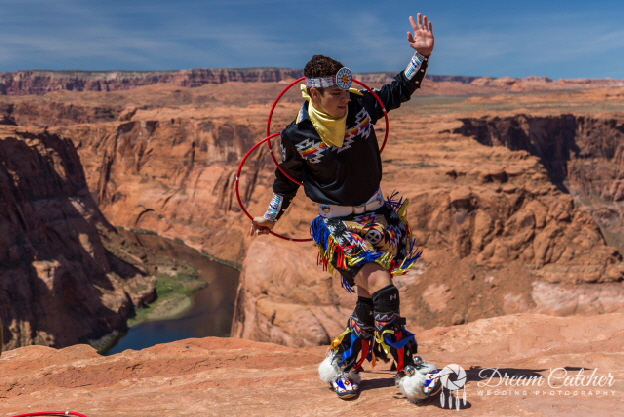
column 384, row 339
column 382, row 236
column 348, row 346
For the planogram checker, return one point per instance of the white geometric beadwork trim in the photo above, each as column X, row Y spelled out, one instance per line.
column 274, row 207
column 414, row 65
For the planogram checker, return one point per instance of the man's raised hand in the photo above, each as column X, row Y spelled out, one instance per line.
column 422, row 40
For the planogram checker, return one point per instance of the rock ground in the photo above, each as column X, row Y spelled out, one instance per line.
column 238, row 377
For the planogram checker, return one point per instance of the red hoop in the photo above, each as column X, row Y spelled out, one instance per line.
column 271, row 136
column 383, row 107
column 52, row 413
column 240, row 202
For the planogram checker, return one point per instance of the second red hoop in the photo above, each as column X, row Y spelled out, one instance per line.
column 240, row 201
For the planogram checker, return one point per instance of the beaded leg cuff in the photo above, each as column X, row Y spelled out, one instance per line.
column 393, row 339
column 353, row 346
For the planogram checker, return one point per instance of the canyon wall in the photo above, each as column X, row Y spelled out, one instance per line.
column 58, row 284
column 43, row 82
column 502, row 229
column 165, row 169
column 582, row 154
column 175, row 177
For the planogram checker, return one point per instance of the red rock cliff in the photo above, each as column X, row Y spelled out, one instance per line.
column 43, row 82
column 583, row 155
column 58, row 284
column 498, row 236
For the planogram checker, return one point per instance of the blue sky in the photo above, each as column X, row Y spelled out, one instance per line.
column 552, row 38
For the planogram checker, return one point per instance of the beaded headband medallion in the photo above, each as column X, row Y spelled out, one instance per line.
column 342, row 79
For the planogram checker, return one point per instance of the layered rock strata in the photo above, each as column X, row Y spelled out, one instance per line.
column 175, row 177
column 44, row 82
column 58, row 284
column 583, row 156
column 499, row 236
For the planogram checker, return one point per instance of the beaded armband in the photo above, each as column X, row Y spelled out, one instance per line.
column 414, row 65
column 274, row 208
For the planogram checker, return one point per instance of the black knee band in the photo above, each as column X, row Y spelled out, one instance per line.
column 391, row 336
column 386, row 300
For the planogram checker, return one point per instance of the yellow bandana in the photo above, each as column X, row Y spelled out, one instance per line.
column 331, row 130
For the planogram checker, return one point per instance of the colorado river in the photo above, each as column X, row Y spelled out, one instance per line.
column 211, row 314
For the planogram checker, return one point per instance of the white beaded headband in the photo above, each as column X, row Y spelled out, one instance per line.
column 342, row 79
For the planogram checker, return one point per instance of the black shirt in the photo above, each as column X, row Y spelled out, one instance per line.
column 347, row 175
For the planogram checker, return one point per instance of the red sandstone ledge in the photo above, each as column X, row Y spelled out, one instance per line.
column 229, row 377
